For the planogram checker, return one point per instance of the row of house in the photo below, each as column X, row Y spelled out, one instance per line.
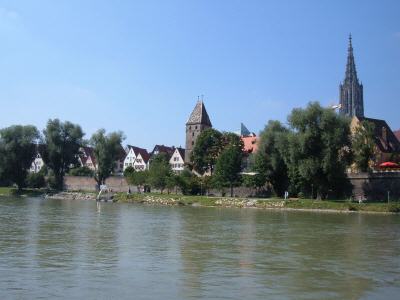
column 130, row 156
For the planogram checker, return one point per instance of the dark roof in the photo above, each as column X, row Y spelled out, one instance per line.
column 181, row 152
column 121, row 154
column 87, row 152
column 143, row 152
column 397, row 134
column 199, row 115
column 163, row 149
column 391, row 143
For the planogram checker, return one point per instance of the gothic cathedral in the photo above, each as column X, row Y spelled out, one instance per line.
column 351, row 91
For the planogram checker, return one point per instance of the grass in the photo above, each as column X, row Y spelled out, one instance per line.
column 11, row 191
column 339, row 205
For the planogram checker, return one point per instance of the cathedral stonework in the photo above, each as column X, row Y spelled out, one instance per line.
column 197, row 123
column 351, row 91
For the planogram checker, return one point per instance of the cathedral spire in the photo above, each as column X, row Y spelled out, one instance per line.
column 351, row 91
column 351, row 72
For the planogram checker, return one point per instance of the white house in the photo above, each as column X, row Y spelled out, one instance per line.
column 86, row 158
column 36, row 164
column 177, row 160
column 136, row 157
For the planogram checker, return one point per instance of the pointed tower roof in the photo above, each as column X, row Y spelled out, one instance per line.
column 243, row 130
column 199, row 115
column 351, row 73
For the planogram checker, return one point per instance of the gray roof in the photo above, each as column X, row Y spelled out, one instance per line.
column 199, row 115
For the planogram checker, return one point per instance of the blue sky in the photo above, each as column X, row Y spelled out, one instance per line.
column 138, row 66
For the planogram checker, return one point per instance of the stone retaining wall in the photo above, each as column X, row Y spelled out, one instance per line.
column 372, row 186
column 81, row 183
column 375, row 186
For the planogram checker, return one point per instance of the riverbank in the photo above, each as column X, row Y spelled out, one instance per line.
column 11, row 191
column 270, row 203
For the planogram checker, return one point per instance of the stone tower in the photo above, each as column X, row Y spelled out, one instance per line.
column 351, row 91
column 197, row 123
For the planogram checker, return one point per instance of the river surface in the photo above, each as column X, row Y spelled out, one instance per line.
column 79, row 250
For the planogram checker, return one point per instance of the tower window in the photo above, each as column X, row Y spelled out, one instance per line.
column 192, row 133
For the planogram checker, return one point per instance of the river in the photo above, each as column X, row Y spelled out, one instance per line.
column 79, row 250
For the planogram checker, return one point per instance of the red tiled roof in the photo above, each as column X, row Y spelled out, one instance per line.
column 250, row 144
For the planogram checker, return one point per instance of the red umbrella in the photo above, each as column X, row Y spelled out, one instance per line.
column 389, row 164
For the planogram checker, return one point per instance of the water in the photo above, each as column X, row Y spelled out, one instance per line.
column 74, row 249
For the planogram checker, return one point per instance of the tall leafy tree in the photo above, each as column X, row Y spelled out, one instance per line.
column 228, row 167
column 206, row 150
column 269, row 162
column 137, row 178
column 315, row 151
column 160, row 171
column 63, row 140
column 106, row 150
column 363, row 145
column 17, row 150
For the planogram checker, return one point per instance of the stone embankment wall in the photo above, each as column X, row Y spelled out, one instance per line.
column 371, row 186
column 375, row 186
column 81, row 183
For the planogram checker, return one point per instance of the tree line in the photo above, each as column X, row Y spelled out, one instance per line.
column 59, row 146
column 307, row 157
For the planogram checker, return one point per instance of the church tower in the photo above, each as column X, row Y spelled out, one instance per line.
column 197, row 123
column 351, row 91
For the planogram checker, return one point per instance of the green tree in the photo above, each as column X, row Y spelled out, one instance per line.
column 106, row 149
column 137, row 178
column 228, row 167
column 269, row 163
column 315, row 152
column 81, row 171
column 17, row 150
column 363, row 145
column 188, row 183
column 159, row 171
column 63, row 140
column 37, row 180
column 206, row 150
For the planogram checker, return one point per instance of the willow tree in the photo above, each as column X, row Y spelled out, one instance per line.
column 62, row 143
column 17, row 151
column 314, row 151
column 106, row 150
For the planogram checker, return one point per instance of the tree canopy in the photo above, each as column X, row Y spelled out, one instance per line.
column 159, row 171
column 17, row 151
column 228, row 167
column 63, row 140
column 106, row 150
column 206, row 150
column 269, row 163
column 363, row 145
column 315, row 151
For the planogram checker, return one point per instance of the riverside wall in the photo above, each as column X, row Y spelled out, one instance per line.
column 82, row 183
column 375, row 186
column 369, row 186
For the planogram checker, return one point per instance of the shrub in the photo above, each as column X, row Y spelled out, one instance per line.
column 81, row 171
column 35, row 180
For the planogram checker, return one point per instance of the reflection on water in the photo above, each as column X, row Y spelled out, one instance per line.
column 73, row 249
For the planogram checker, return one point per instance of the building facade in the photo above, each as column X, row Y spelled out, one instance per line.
column 197, row 123
column 351, row 91
column 177, row 160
